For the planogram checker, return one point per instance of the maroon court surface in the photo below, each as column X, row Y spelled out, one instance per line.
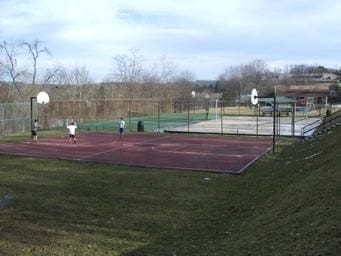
column 183, row 152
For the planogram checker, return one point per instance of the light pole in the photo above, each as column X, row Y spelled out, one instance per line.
column 216, row 109
column 207, row 107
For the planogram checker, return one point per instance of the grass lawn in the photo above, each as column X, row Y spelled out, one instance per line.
column 285, row 204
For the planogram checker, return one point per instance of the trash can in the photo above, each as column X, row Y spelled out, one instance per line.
column 140, row 126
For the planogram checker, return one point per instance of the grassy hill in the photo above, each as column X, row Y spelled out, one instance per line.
column 285, row 204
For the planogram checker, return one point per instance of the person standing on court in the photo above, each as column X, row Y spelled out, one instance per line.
column 72, row 132
column 122, row 126
column 34, row 131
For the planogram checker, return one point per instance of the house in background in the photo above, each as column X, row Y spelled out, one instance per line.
column 309, row 94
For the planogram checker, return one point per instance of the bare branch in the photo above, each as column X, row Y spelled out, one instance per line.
column 35, row 49
column 10, row 66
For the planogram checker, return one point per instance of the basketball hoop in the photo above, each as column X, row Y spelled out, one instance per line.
column 43, row 98
column 254, row 96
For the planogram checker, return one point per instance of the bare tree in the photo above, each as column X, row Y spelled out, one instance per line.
column 10, row 68
column 35, row 49
column 150, row 84
column 160, row 81
column 73, row 82
column 168, row 70
column 59, row 75
column 238, row 80
column 255, row 75
column 185, row 82
column 51, row 74
column 128, row 70
column 2, row 64
column 79, row 76
column 156, row 80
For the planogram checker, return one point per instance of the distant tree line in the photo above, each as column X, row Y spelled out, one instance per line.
column 21, row 77
column 239, row 80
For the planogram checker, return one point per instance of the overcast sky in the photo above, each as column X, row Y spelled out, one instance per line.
column 202, row 36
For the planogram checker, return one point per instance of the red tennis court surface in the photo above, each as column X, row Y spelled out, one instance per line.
column 182, row 152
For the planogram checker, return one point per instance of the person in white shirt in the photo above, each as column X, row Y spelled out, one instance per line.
column 72, row 132
column 122, row 125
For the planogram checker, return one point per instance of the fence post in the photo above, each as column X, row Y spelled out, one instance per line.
column 257, row 122
column 274, row 123
column 221, row 118
column 293, row 109
column 158, row 115
column 129, row 115
column 188, row 117
column 2, row 119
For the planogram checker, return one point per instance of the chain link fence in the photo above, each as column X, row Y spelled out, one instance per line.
column 156, row 115
column 14, row 118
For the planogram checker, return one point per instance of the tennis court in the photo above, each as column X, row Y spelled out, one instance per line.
column 182, row 152
column 249, row 125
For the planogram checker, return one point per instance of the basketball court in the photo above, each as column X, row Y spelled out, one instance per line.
column 248, row 125
column 221, row 154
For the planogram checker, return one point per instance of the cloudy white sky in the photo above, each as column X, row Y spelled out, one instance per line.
column 201, row 36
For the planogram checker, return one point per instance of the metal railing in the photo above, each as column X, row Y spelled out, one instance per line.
column 323, row 124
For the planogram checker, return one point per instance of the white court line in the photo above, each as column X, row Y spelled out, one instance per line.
column 97, row 154
column 129, row 144
column 116, row 149
column 254, row 160
column 199, row 153
column 175, row 151
column 157, row 139
column 177, row 148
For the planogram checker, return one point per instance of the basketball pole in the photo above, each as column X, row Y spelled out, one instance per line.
column 257, row 117
column 221, row 118
column 41, row 98
column 254, row 101
column 32, row 98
